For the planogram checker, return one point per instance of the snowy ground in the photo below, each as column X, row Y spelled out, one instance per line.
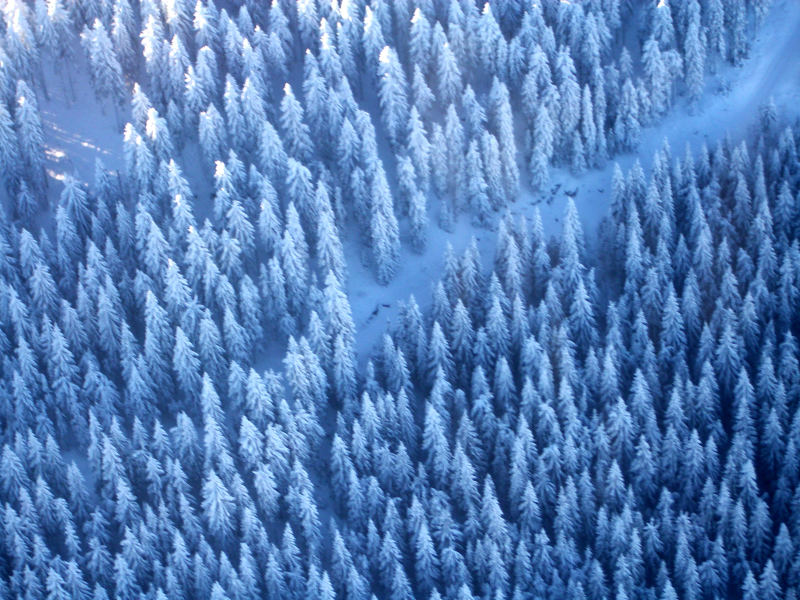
column 78, row 130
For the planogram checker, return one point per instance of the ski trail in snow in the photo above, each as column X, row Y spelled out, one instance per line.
column 772, row 70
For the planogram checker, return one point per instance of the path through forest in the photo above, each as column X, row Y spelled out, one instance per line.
column 772, row 70
column 78, row 130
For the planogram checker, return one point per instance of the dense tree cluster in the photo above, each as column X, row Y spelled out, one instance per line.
column 634, row 440
column 287, row 92
column 548, row 430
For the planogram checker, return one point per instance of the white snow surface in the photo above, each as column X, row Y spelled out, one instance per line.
column 79, row 129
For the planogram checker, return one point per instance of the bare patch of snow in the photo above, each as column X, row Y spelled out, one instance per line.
column 78, row 129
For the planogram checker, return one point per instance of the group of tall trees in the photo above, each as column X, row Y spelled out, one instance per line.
column 449, row 78
column 549, row 429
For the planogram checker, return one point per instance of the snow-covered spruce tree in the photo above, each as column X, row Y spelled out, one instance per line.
column 383, row 229
column 294, row 128
column 30, row 136
column 392, row 94
column 9, row 150
column 105, row 66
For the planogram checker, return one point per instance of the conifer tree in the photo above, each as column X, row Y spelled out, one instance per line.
column 448, row 75
column 477, row 190
column 627, row 127
column 392, row 94
column 695, row 52
column 106, row 70
column 9, row 151
column 295, row 130
column 383, row 229
column 30, row 136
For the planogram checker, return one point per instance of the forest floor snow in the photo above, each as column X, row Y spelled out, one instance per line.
column 78, row 129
